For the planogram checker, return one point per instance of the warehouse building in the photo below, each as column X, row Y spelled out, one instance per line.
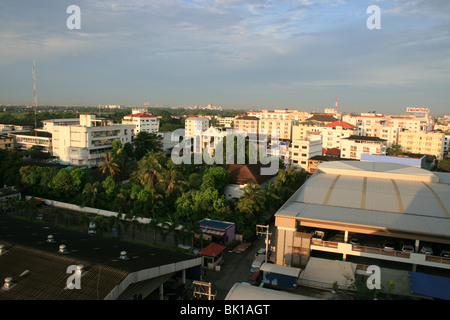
column 367, row 211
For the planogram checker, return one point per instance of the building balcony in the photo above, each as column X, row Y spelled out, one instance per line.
column 381, row 253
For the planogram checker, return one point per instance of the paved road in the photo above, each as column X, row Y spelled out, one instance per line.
column 236, row 268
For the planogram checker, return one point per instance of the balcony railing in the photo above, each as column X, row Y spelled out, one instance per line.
column 437, row 259
column 393, row 253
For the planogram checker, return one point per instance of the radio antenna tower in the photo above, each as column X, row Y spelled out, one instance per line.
column 34, row 96
column 336, row 107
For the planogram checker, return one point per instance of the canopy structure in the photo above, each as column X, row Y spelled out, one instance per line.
column 245, row 291
column 430, row 286
column 323, row 273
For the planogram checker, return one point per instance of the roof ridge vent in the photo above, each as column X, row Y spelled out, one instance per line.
column 80, row 270
column 123, row 255
column 8, row 283
column 2, row 249
column 62, row 249
column 50, row 239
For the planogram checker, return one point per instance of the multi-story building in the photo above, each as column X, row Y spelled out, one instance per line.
column 6, row 143
column 226, row 121
column 84, row 141
column 271, row 127
column 303, row 129
column 305, row 149
column 299, row 116
column 41, row 139
column 195, row 125
column 247, row 124
column 334, row 132
column 354, row 146
column 142, row 121
column 429, row 143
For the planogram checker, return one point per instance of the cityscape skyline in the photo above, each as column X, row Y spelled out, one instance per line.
column 232, row 54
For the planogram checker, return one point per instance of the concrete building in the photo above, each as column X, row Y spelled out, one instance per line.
column 142, row 121
column 430, row 143
column 367, row 212
column 333, row 133
column 305, row 149
column 271, row 126
column 195, row 126
column 354, row 146
column 6, row 143
column 41, row 139
column 84, row 141
column 247, row 124
column 303, row 129
column 299, row 116
column 226, row 122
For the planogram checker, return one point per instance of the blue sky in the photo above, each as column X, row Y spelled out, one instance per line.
column 231, row 53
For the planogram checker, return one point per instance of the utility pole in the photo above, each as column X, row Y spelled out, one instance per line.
column 34, row 96
column 264, row 230
column 203, row 289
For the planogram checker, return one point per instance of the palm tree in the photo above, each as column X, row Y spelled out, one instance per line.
column 109, row 165
column 150, row 170
column 395, row 150
column 252, row 201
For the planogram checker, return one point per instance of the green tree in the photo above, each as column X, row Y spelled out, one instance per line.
column 394, row 150
column 150, row 169
column 109, row 165
column 146, row 142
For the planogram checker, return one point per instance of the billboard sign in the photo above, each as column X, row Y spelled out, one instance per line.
column 419, row 110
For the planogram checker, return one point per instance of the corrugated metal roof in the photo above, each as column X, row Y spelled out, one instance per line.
column 245, row 291
column 407, row 205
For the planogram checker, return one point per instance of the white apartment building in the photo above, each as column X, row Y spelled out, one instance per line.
column 226, row 121
column 305, row 149
column 429, row 143
column 299, row 116
column 84, row 141
column 387, row 127
column 334, row 132
column 354, row 146
column 195, row 125
column 282, row 127
column 302, row 130
column 142, row 121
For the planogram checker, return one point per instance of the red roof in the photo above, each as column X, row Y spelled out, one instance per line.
column 331, row 152
column 342, row 124
column 141, row 115
column 212, row 250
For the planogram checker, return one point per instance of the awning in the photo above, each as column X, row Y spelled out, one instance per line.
column 430, row 286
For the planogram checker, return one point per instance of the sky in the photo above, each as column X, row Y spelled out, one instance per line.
column 257, row 54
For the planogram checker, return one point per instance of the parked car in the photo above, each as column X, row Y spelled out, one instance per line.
column 408, row 248
column 355, row 241
column 426, row 250
column 91, row 229
column 260, row 252
column 318, row 235
column 445, row 253
column 389, row 246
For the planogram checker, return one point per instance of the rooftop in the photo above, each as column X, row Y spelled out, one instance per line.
column 342, row 124
column 28, row 249
column 380, row 195
column 140, row 115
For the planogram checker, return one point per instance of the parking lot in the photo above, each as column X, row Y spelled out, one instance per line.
column 385, row 243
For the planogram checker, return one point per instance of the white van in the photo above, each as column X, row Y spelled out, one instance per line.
column 258, row 262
